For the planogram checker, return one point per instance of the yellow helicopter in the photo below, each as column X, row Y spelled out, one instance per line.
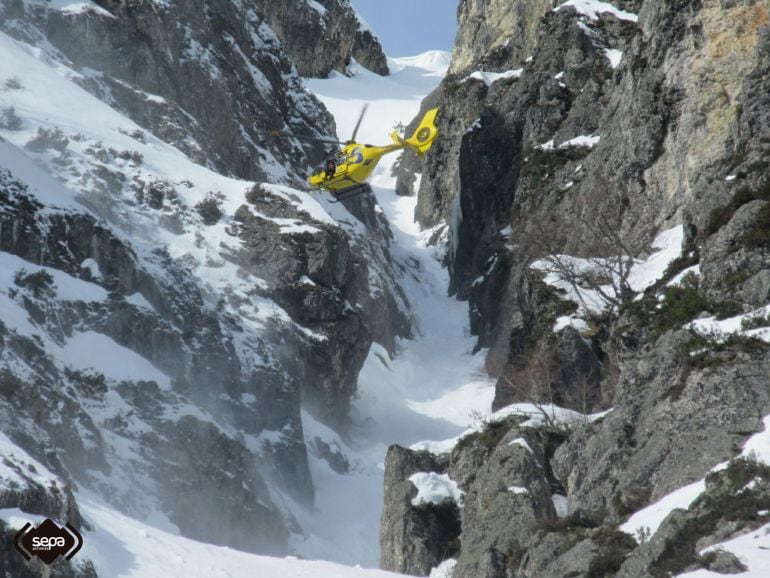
column 344, row 173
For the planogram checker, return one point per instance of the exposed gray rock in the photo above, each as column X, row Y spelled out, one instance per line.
column 331, row 453
column 507, row 487
column 504, row 498
column 459, row 108
column 494, row 35
column 224, row 77
column 319, row 41
column 216, row 479
column 558, row 554
column 414, row 539
column 667, row 403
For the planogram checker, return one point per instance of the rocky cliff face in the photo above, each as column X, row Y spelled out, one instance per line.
column 162, row 321
column 224, row 72
column 321, row 36
column 571, row 139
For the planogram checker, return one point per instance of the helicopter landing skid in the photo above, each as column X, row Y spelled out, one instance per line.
column 351, row 192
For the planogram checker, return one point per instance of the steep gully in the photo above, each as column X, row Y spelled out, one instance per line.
column 435, row 386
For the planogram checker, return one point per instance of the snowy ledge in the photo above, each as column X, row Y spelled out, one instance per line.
column 754, row 324
column 534, row 416
column 578, row 141
column 491, row 77
column 435, row 489
column 641, row 274
column 593, row 8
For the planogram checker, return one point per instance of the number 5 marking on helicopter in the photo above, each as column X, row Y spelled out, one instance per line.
column 356, row 156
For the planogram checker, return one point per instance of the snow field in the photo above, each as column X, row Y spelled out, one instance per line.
column 120, row 546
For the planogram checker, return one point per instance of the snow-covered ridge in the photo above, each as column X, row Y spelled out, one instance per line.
column 490, row 78
column 532, row 415
column 593, row 8
column 436, row 61
column 435, row 489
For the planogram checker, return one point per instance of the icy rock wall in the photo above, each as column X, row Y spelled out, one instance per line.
column 677, row 95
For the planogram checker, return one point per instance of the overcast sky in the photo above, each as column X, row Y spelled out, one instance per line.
column 409, row 27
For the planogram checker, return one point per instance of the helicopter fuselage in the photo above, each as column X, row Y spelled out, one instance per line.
column 354, row 164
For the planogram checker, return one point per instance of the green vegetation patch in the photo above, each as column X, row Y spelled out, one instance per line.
column 679, row 304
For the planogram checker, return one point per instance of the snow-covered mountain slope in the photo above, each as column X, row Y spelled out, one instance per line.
column 163, row 323
column 214, row 95
column 116, row 545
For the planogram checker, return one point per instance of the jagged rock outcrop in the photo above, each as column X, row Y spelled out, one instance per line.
column 504, row 474
column 321, row 36
column 496, row 34
column 671, row 109
column 415, row 538
column 210, row 78
column 317, row 274
column 554, row 193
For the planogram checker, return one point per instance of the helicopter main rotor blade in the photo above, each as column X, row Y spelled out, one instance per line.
column 358, row 124
column 304, row 137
